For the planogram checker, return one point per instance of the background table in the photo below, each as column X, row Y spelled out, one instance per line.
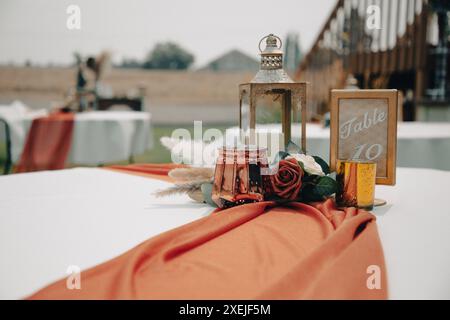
column 50, row 221
column 109, row 136
column 99, row 137
column 419, row 144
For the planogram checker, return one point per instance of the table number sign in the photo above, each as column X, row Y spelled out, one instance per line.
column 364, row 127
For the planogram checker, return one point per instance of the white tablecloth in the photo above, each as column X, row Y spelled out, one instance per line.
column 109, row 136
column 419, row 144
column 52, row 220
column 18, row 117
column 99, row 137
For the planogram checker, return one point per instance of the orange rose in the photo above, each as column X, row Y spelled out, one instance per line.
column 287, row 182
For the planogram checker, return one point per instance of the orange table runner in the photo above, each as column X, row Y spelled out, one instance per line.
column 156, row 171
column 256, row 251
column 48, row 143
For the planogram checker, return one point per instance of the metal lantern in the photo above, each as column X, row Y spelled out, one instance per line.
column 273, row 99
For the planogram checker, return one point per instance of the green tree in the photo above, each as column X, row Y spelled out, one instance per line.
column 170, row 56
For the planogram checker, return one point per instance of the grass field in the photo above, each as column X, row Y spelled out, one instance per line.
column 159, row 154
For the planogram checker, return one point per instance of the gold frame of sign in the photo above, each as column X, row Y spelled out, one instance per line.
column 364, row 127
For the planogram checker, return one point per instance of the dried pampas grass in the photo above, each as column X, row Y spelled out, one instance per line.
column 185, row 188
column 188, row 181
column 192, row 174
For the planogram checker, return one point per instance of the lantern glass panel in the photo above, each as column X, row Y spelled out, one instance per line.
column 296, row 120
column 269, row 121
column 269, row 108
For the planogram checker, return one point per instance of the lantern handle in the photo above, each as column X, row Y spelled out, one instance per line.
column 270, row 35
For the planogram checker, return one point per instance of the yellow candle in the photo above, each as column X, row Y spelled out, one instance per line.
column 356, row 181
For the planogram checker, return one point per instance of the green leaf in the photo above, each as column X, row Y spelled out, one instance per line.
column 207, row 193
column 309, row 197
column 325, row 187
column 316, row 188
column 293, row 148
column 309, row 178
column 303, row 168
column 323, row 164
column 280, row 156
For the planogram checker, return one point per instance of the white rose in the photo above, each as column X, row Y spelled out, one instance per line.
column 310, row 165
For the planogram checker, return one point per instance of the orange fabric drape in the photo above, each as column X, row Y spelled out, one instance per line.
column 255, row 251
column 48, row 143
column 156, row 171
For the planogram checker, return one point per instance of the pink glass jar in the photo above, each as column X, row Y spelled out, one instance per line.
column 240, row 176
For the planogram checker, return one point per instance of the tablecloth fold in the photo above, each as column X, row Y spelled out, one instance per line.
column 255, row 251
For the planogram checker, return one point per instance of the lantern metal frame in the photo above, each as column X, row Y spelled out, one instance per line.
column 272, row 79
column 292, row 94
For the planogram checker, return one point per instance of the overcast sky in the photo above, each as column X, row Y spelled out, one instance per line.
column 36, row 30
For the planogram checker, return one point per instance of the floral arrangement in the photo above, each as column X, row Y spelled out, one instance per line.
column 298, row 178
column 301, row 178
